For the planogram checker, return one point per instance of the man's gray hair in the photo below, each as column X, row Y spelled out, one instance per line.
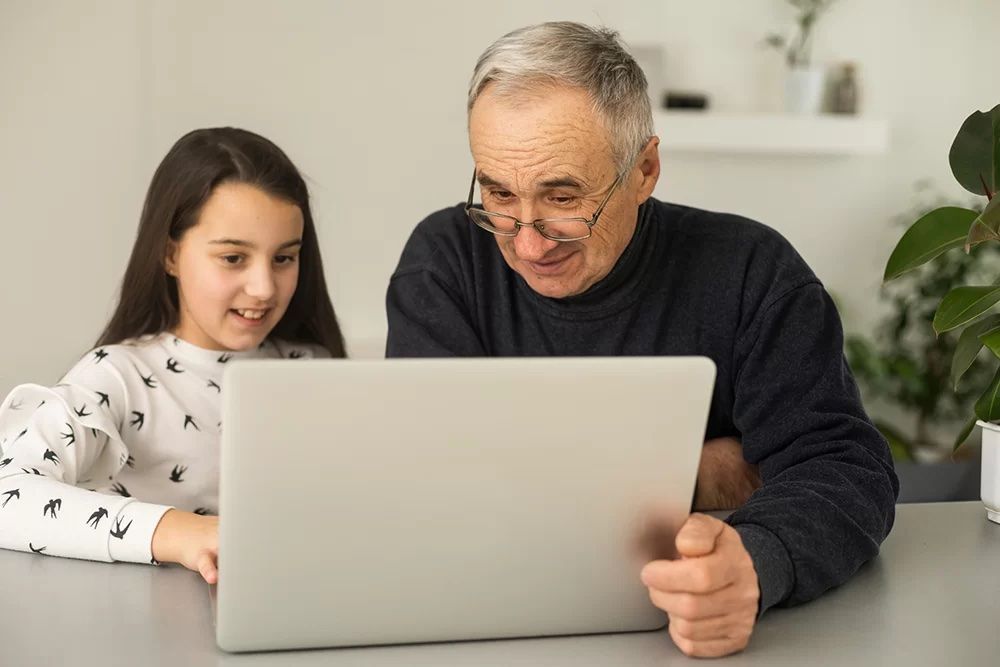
column 573, row 54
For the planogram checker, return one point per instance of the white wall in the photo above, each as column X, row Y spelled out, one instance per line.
column 368, row 99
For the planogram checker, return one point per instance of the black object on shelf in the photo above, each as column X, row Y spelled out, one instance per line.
column 684, row 100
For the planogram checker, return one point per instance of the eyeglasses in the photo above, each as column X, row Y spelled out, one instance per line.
column 556, row 229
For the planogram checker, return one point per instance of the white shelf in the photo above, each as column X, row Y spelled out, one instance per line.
column 775, row 134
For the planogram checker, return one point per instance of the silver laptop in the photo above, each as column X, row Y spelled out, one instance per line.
column 399, row 501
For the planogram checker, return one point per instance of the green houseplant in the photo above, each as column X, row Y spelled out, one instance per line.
column 903, row 365
column 967, row 310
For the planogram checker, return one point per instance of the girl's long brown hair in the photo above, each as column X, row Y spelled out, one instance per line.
column 197, row 163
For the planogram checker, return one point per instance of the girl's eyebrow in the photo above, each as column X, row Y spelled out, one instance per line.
column 253, row 246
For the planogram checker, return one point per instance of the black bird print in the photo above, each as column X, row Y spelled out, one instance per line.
column 69, row 437
column 13, row 493
column 148, row 381
column 173, row 367
column 223, row 358
column 93, row 432
column 97, row 516
column 41, row 404
column 34, row 550
column 203, row 511
column 130, row 461
column 51, row 507
column 105, row 399
column 82, row 412
column 175, row 474
column 100, row 355
column 119, row 532
column 295, row 354
column 50, row 455
column 32, row 471
column 120, row 489
column 212, row 384
column 20, row 435
column 188, row 419
column 5, row 463
column 15, row 405
column 139, row 420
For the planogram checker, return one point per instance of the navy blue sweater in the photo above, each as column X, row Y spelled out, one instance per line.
column 690, row 282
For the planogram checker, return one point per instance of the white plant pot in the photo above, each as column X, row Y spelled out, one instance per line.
column 989, row 487
column 804, row 90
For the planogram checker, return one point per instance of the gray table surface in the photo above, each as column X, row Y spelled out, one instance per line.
column 931, row 598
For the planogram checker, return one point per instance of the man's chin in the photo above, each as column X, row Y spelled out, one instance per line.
column 552, row 288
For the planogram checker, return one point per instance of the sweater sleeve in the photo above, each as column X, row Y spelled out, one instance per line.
column 829, row 488
column 58, row 445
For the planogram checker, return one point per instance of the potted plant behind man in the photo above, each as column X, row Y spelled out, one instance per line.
column 975, row 162
column 804, row 81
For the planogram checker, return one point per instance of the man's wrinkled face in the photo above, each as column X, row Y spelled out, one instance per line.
column 545, row 154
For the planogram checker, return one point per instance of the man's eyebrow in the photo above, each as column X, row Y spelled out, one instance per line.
column 247, row 244
column 557, row 182
column 561, row 182
column 487, row 180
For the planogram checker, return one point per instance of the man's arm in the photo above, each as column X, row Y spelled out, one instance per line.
column 427, row 318
column 829, row 489
column 725, row 480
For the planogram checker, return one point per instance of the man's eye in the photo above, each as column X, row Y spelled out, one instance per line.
column 563, row 201
column 501, row 195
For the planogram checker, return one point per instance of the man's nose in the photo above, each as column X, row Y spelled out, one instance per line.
column 531, row 246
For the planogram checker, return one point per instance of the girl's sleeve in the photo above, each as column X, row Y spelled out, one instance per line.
column 57, row 445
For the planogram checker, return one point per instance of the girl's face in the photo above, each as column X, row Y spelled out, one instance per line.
column 237, row 268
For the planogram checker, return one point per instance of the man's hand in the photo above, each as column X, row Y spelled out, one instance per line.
column 711, row 593
column 189, row 539
column 725, row 479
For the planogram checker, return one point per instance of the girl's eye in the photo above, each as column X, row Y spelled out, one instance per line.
column 232, row 259
column 285, row 259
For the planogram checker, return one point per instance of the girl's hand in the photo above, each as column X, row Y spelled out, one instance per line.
column 189, row 539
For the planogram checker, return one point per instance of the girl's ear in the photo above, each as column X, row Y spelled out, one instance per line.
column 170, row 258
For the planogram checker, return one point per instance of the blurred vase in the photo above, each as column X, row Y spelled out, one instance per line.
column 804, row 90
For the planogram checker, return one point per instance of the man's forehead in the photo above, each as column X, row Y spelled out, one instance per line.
column 555, row 140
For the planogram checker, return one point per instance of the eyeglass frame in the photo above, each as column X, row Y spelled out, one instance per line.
column 534, row 223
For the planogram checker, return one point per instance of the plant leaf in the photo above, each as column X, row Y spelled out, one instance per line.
column 964, row 434
column 969, row 345
column 935, row 233
column 988, row 405
column 986, row 226
column 963, row 305
column 991, row 339
column 973, row 155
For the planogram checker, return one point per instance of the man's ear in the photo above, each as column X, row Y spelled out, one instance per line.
column 648, row 164
column 170, row 258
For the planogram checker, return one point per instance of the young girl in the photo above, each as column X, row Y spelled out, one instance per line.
column 120, row 460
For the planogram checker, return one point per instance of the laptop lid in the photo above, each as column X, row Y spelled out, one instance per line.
column 397, row 501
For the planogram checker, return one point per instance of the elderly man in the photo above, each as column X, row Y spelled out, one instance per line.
column 570, row 255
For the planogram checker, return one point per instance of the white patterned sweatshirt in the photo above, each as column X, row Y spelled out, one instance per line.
column 88, row 467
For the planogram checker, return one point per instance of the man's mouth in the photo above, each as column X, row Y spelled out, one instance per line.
column 549, row 267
